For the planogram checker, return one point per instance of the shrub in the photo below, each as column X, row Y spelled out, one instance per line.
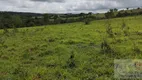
column 87, row 21
column 125, row 29
column 123, row 25
column 109, row 30
column 45, row 53
column 2, row 41
column 20, row 72
column 105, row 47
column 136, row 48
column 5, row 31
column 71, row 61
column 15, row 30
column 51, row 40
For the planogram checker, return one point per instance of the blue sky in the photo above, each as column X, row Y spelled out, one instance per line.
column 66, row 6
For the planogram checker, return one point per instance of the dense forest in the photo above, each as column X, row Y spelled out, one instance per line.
column 20, row 19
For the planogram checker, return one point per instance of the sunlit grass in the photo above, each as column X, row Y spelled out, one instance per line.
column 68, row 51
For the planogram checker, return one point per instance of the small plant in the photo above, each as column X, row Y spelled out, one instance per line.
column 20, row 71
column 71, row 61
column 126, row 32
column 87, row 21
column 123, row 25
column 51, row 40
column 109, row 30
column 105, row 47
column 2, row 41
column 136, row 48
column 139, row 33
column 46, row 53
column 15, row 30
column 5, row 31
column 125, row 29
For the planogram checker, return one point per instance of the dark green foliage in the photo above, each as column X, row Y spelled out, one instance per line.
column 51, row 40
column 105, row 47
column 87, row 21
column 125, row 29
column 46, row 18
column 15, row 30
column 5, row 31
column 15, row 19
column 109, row 30
column 110, row 14
column 123, row 25
column 2, row 41
column 45, row 53
column 71, row 61
column 136, row 48
column 20, row 72
column 26, row 56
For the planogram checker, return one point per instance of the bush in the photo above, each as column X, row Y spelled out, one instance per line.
column 15, row 30
column 109, row 30
column 136, row 48
column 5, row 31
column 2, row 41
column 71, row 61
column 87, row 21
column 105, row 47
column 125, row 29
column 46, row 53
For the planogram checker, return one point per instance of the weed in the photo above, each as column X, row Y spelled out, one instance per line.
column 45, row 53
column 5, row 31
column 15, row 30
column 105, row 47
column 26, row 56
column 136, row 48
column 125, row 29
column 109, row 30
column 51, row 40
column 123, row 25
column 87, row 21
column 2, row 41
column 20, row 72
column 71, row 61
column 139, row 33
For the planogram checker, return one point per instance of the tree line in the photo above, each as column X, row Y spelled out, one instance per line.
column 113, row 13
column 19, row 19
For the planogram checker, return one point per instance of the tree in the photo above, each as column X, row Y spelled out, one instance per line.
column 110, row 14
column 111, row 10
column 7, row 21
column 81, row 14
column 30, row 22
column 87, row 21
column 46, row 18
column 90, row 13
column 115, row 9
column 17, row 21
column 138, row 8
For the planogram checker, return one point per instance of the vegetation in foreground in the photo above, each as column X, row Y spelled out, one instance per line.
column 71, row 51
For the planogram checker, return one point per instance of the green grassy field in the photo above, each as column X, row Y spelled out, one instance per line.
column 72, row 51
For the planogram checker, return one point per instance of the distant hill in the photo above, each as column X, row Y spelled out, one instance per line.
column 27, row 19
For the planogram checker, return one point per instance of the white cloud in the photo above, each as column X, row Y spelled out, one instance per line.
column 66, row 6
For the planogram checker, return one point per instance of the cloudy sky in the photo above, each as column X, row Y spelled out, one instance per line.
column 66, row 6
